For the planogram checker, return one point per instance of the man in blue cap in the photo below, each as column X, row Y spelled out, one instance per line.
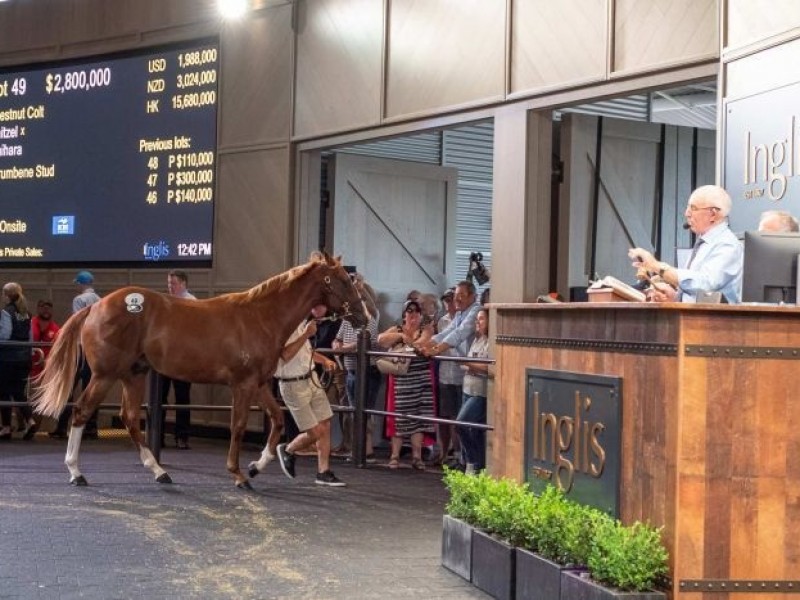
column 87, row 296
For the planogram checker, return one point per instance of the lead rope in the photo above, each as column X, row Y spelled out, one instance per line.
column 326, row 379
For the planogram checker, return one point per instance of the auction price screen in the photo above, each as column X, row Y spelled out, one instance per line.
column 112, row 160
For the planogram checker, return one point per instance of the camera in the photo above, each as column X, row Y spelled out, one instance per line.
column 476, row 269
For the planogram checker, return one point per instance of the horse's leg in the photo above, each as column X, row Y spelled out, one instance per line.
column 132, row 396
column 89, row 400
column 273, row 410
column 242, row 395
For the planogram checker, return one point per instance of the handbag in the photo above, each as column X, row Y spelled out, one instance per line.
column 395, row 365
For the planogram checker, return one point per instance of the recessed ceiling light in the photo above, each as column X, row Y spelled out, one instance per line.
column 232, row 9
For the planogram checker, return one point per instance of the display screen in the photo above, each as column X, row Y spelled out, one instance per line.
column 110, row 160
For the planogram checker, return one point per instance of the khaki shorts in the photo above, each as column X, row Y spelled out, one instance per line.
column 307, row 402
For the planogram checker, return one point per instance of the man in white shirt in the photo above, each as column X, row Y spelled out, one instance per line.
column 716, row 262
column 307, row 401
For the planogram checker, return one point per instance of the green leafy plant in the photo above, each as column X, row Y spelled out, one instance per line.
column 549, row 525
column 627, row 557
column 579, row 527
column 506, row 510
column 466, row 492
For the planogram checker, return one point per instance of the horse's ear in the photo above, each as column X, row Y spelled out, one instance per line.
column 317, row 256
column 338, row 260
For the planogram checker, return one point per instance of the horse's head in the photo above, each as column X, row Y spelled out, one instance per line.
column 339, row 293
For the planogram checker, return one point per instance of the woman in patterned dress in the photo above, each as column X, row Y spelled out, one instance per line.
column 413, row 392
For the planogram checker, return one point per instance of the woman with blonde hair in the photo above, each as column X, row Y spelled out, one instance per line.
column 15, row 361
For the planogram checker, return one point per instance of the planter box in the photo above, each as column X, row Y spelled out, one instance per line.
column 493, row 565
column 537, row 578
column 457, row 546
column 575, row 587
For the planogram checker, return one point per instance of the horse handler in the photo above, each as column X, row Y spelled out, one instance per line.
column 308, row 403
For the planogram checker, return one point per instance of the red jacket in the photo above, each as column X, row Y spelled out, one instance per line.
column 48, row 334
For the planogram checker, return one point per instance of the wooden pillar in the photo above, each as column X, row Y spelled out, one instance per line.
column 521, row 204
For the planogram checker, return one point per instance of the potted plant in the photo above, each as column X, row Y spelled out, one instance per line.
column 508, row 542
column 504, row 516
column 560, row 539
column 624, row 563
column 460, row 519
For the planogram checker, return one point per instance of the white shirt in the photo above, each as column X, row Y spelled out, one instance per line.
column 301, row 363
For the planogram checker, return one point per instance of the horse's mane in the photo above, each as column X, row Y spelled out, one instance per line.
column 278, row 282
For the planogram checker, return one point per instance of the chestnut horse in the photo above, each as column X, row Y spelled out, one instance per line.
column 234, row 339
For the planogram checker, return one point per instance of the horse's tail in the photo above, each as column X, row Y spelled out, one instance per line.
column 54, row 385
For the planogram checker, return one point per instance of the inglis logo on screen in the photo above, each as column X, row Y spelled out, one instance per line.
column 156, row 251
column 64, row 225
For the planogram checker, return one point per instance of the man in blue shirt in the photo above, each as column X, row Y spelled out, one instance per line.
column 461, row 331
column 717, row 258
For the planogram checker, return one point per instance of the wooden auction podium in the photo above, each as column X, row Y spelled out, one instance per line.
column 710, row 431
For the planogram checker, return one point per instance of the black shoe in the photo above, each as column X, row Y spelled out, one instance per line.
column 58, row 435
column 287, row 460
column 90, row 434
column 329, row 479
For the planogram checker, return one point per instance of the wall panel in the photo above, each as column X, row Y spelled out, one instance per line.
column 339, row 57
column 444, row 54
column 658, row 33
column 255, row 91
column 556, row 43
column 749, row 21
column 253, row 219
column 762, row 71
column 54, row 28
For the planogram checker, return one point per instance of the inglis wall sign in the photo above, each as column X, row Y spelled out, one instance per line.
column 573, row 433
column 762, row 155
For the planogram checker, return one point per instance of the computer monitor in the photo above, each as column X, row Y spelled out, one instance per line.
column 770, row 267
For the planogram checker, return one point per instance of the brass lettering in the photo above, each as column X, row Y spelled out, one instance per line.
column 555, row 437
column 596, row 469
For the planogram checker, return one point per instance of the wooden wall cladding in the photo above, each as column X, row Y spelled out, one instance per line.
column 256, row 79
column 339, row 65
column 556, row 43
column 658, row 33
column 750, row 21
column 444, row 54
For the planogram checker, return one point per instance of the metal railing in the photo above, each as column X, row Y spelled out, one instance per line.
column 155, row 407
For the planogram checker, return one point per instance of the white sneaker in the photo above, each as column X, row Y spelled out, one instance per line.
column 470, row 470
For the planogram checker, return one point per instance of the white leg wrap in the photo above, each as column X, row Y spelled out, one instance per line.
column 149, row 461
column 73, row 450
column 262, row 462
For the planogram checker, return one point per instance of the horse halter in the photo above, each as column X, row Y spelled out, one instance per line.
column 345, row 304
